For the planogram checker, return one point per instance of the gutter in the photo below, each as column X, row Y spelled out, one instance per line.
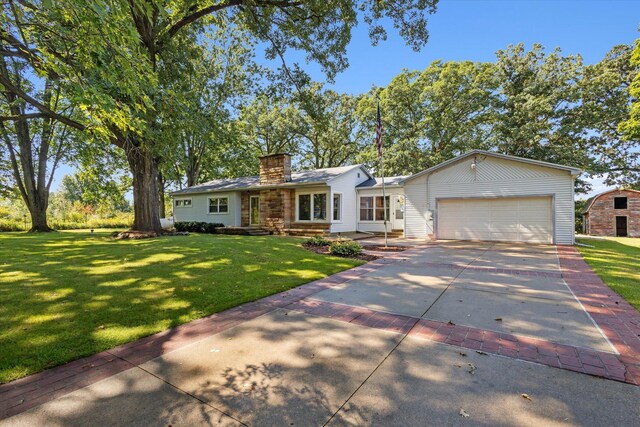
column 259, row 187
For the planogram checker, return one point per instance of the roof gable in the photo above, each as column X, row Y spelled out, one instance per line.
column 572, row 170
column 593, row 199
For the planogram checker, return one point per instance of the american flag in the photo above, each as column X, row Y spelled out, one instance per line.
column 379, row 130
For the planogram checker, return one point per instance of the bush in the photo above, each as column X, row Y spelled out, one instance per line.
column 197, row 227
column 318, row 241
column 8, row 225
column 345, row 247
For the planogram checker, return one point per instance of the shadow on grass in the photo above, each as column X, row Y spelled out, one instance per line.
column 67, row 295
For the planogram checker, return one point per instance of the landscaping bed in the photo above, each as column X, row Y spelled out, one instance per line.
column 324, row 250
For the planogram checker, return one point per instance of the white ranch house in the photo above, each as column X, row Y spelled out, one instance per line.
column 479, row 195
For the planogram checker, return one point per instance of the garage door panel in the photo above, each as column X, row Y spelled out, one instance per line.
column 509, row 219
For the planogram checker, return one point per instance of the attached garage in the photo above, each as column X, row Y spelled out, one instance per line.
column 482, row 195
column 509, row 219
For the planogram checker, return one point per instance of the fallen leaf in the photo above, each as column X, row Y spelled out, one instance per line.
column 472, row 368
column 481, row 352
column 462, row 353
column 463, row 413
column 450, row 322
column 498, row 319
column 526, row 396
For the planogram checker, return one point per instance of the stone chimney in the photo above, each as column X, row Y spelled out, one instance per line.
column 275, row 169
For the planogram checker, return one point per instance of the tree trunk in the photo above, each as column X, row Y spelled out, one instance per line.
column 38, row 212
column 146, row 206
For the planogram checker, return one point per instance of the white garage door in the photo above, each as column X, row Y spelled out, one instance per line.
column 507, row 219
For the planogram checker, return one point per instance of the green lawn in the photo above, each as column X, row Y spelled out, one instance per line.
column 70, row 294
column 617, row 261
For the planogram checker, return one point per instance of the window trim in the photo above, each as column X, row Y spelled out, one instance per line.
column 311, row 206
column 182, row 205
column 626, row 203
column 333, row 220
column 218, row 198
column 374, row 220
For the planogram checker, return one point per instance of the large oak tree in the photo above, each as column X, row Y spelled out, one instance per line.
column 109, row 58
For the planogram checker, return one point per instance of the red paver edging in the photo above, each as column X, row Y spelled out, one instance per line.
column 28, row 392
column 617, row 319
column 587, row 361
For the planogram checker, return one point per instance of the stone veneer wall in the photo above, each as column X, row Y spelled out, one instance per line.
column 602, row 215
column 275, row 169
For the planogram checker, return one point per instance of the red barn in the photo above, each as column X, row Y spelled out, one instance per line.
column 613, row 213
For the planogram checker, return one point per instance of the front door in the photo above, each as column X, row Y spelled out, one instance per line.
column 254, row 210
column 398, row 212
column 621, row 226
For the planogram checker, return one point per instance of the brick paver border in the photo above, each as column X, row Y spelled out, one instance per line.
column 584, row 360
column 615, row 317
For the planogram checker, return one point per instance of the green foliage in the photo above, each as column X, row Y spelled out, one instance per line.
column 605, row 100
column 318, row 240
column 631, row 127
column 345, row 247
column 579, row 207
column 430, row 116
column 93, row 293
column 197, row 227
column 10, row 225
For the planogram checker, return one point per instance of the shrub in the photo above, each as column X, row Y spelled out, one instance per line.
column 8, row 225
column 197, row 227
column 318, row 241
column 345, row 247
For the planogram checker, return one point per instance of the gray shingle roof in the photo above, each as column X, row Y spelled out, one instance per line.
column 315, row 176
column 388, row 180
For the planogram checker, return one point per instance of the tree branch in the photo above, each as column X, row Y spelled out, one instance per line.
column 8, row 85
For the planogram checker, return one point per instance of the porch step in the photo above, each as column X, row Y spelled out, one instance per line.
column 392, row 233
column 244, row 231
column 304, row 232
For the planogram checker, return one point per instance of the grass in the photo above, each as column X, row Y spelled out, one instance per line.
column 66, row 295
column 617, row 261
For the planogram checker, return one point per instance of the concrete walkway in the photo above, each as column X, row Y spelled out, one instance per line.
column 390, row 343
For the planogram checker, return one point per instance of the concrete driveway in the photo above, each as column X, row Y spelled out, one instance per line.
column 357, row 353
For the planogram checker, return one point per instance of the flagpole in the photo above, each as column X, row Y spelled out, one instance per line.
column 379, row 129
column 384, row 199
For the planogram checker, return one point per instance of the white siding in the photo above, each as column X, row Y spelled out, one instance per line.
column 346, row 184
column 494, row 177
column 199, row 209
column 376, row 226
column 416, row 215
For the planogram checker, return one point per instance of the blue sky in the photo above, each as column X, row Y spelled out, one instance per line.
column 476, row 29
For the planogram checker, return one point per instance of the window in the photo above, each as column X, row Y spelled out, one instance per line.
column 337, row 207
column 620, row 203
column 319, row 207
column 312, row 207
column 372, row 208
column 183, row 203
column 218, row 205
column 304, row 207
column 366, row 208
